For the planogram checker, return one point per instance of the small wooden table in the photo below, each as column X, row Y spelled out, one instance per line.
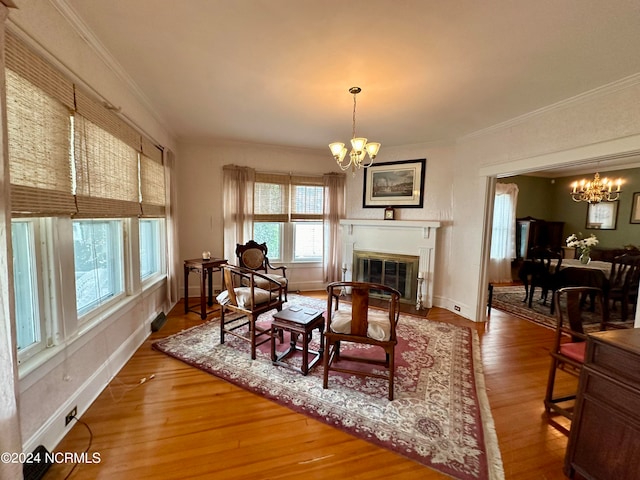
column 205, row 269
column 297, row 321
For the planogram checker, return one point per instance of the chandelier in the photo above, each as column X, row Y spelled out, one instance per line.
column 596, row 190
column 359, row 145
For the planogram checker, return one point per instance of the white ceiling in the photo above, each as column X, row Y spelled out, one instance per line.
column 278, row 71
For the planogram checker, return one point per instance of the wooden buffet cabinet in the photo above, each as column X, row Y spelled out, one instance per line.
column 604, row 442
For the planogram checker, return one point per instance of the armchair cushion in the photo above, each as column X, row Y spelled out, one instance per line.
column 243, row 294
column 264, row 283
column 378, row 327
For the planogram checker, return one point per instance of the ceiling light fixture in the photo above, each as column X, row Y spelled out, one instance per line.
column 359, row 145
column 596, row 190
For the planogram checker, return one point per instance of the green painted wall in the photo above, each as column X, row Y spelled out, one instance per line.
column 549, row 199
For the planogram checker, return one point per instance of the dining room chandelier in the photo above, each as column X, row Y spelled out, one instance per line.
column 596, row 191
column 359, row 145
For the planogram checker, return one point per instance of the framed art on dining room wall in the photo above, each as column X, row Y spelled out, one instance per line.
column 635, row 208
column 602, row 216
column 394, row 184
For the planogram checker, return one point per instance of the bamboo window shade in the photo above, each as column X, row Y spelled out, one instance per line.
column 68, row 153
column 39, row 105
column 152, row 181
column 278, row 200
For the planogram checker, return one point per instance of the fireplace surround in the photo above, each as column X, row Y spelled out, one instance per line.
column 393, row 237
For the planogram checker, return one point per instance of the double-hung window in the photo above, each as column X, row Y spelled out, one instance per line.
column 288, row 217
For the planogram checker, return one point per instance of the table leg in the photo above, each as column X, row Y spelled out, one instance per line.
column 305, row 354
column 210, row 285
column 186, row 289
column 203, row 294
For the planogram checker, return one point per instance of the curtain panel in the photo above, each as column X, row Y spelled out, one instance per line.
column 503, row 236
column 237, row 203
column 334, row 211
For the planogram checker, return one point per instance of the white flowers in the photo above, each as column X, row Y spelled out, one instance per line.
column 582, row 244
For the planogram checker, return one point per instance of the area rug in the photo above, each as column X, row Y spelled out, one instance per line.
column 509, row 298
column 440, row 416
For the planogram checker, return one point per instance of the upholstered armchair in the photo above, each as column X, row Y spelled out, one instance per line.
column 253, row 255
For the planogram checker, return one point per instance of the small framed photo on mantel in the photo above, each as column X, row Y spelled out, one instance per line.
column 389, row 213
column 394, row 185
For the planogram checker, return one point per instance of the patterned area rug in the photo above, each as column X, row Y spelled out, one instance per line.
column 510, row 299
column 440, row 416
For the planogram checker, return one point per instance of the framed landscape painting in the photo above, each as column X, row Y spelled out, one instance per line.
column 394, row 184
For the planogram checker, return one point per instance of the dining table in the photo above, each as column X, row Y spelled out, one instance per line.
column 574, row 273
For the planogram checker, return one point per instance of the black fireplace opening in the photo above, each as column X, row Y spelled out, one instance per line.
column 392, row 270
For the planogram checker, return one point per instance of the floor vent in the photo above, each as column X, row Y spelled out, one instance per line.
column 39, row 464
column 159, row 321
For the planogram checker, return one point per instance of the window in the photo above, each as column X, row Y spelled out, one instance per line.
column 288, row 217
column 30, row 328
column 97, row 248
column 151, row 248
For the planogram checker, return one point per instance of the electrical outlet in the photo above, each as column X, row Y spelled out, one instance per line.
column 456, row 308
column 73, row 413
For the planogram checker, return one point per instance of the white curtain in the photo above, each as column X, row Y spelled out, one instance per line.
column 334, row 211
column 237, row 199
column 503, row 237
column 174, row 269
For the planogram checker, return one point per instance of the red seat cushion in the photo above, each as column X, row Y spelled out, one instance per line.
column 574, row 350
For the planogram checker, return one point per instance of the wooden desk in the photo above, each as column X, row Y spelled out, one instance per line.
column 205, row 269
column 604, row 441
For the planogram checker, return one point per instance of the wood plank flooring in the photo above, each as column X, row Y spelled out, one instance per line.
column 184, row 423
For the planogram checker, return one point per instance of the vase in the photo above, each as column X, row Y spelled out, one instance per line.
column 585, row 258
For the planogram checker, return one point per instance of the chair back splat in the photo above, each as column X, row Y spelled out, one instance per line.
column 253, row 256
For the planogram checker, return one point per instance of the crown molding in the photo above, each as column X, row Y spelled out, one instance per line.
column 598, row 92
column 94, row 43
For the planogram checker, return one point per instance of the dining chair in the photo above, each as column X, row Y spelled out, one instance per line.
column 242, row 295
column 625, row 273
column 546, row 264
column 373, row 329
column 568, row 348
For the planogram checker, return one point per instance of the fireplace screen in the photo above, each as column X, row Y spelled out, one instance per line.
column 396, row 271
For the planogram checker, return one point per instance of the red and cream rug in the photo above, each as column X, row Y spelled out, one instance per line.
column 440, row 416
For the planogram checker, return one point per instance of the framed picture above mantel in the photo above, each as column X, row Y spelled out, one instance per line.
column 394, row 184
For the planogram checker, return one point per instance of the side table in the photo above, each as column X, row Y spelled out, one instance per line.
column 205, row 269
column 297, row 321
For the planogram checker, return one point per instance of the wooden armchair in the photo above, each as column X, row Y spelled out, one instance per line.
column 243, row 296
column 253, row 255
column 375, row 328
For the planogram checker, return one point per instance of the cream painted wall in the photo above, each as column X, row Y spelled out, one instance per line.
column 76, row 371
column 199, row 173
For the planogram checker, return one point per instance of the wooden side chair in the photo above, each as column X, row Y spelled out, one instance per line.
column 243, row 296
column 253, row 255
column 376, row 328
column 568, row 350
column 623, row 282
column 546, row 264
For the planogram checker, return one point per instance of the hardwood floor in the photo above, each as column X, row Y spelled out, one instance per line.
column 184, row 423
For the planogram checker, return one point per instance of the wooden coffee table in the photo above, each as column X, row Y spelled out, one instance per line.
column 297, row 321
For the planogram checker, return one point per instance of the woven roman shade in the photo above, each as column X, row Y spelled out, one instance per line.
column 152, row 181
column 307, row 198
column 106, row 162
column 271, row 198
column 39, row 104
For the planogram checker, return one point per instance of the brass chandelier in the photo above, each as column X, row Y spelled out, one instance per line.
column 596, row 191
column 359, row 145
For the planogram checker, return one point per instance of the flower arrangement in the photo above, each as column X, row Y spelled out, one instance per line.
column 582, row 244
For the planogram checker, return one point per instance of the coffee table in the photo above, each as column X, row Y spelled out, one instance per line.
column 297, row 321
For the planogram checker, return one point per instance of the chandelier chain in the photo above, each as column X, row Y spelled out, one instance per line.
column 353, row 128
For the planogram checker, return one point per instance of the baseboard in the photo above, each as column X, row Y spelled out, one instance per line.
column 53, row 430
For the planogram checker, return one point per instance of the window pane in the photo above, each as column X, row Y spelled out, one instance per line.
column 308, row 241
column 97, row 248
column 270, row 198
column 25, row 285
column 149, row 248
column 271, row 234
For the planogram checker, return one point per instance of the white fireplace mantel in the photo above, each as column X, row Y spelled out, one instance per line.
column 405, row 237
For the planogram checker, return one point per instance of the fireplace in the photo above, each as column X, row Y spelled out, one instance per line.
column 380, row 240
column 393, row 270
